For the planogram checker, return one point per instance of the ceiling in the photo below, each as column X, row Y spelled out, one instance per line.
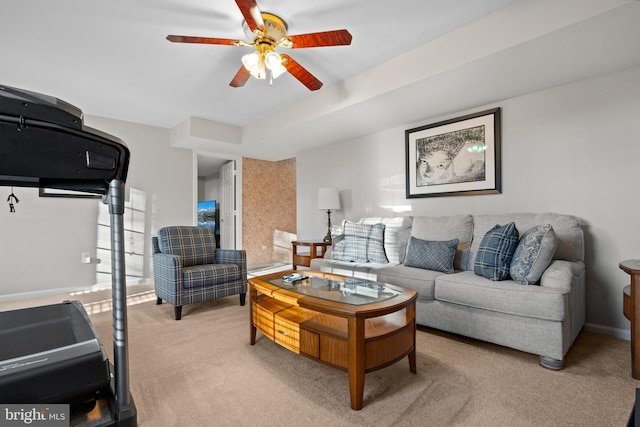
column 111, row 59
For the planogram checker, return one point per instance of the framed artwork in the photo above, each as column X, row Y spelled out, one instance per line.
column 455, row 157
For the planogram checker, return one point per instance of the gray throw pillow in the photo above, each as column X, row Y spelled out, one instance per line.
column 496, row 252
column 431, row 254
column 533, row 254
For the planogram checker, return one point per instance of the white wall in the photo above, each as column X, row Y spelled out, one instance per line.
column 212, row 187
column 209, row 187
column 43, row 240
column 574, row 149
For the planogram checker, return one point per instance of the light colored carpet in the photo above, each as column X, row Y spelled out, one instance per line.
column 201, row 371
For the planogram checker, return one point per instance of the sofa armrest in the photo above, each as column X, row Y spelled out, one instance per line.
column 562, row 275
column 569, row 276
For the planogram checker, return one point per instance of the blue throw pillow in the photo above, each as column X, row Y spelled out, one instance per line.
column 431, row 254
column 533, row 255
column 496, row 252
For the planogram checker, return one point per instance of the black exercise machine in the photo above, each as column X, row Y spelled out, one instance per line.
column 51, row 354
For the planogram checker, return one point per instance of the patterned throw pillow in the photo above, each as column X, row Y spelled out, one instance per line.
column 396, row 235
column 533, row 254
column 363, row 243
column 431, row 254
column 337, row 242
column 496, row 252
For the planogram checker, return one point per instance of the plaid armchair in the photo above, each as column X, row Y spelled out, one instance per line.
column 187, row 267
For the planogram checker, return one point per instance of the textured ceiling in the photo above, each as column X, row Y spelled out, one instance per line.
column 111, row 59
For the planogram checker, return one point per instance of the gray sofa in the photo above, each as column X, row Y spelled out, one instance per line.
column 543, row 319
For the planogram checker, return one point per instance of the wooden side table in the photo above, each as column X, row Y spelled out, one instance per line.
column 316, row 250
column 631, row 309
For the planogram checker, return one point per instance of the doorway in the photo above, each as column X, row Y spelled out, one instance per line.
column 219, row 178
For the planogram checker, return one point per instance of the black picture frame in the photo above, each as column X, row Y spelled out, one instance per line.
column 455, row 157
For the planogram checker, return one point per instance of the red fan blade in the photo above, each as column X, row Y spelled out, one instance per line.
column 240, row 78
column 203, row 40
column 300, row 73
column 252, row 15
column 326, row 38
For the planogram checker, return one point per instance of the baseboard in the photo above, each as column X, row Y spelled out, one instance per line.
column 624, row 334
column 40, row 294
column 59, row 291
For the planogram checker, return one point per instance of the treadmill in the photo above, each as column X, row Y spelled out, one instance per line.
column 54, row 354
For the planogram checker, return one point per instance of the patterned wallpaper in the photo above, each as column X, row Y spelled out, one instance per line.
column 268, row 209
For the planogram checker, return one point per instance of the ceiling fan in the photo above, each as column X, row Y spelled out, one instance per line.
column 270, row 32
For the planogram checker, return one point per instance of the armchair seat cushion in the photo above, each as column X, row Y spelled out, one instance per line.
column 210, row 274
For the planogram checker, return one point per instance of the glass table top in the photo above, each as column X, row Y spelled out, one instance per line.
column 348, row 290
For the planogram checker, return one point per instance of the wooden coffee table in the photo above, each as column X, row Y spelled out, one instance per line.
column 351, row 324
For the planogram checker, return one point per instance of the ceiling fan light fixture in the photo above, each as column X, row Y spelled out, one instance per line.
column 274, row 63
column 255, row 65
column 250, row 61
column 277, row 71
column 272, row 60
column 263, row 59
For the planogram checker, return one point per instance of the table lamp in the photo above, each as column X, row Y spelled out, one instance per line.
column 328, row 199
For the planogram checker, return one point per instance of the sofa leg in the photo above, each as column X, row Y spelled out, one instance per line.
column 178, row 311
column 551, row 363
column 243, row 298
column 159, row 301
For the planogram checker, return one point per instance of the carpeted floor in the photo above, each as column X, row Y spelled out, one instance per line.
column 201, row 371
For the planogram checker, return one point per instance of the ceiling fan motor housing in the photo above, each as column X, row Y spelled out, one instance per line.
column 276, row 27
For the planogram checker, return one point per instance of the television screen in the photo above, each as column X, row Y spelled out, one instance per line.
column 207, row 214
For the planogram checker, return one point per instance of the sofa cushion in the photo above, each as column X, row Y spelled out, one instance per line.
column 466, row 288
column 533, row 254
column 496, row 252
column 447, row 228
column 196, row 245
column 431, row 254
column 363, row 243
column 396, row 235
column 417, row 279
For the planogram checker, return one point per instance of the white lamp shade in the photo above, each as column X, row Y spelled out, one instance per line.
column 328, row 199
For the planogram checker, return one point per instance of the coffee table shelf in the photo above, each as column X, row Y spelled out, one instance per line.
column 357, row 338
